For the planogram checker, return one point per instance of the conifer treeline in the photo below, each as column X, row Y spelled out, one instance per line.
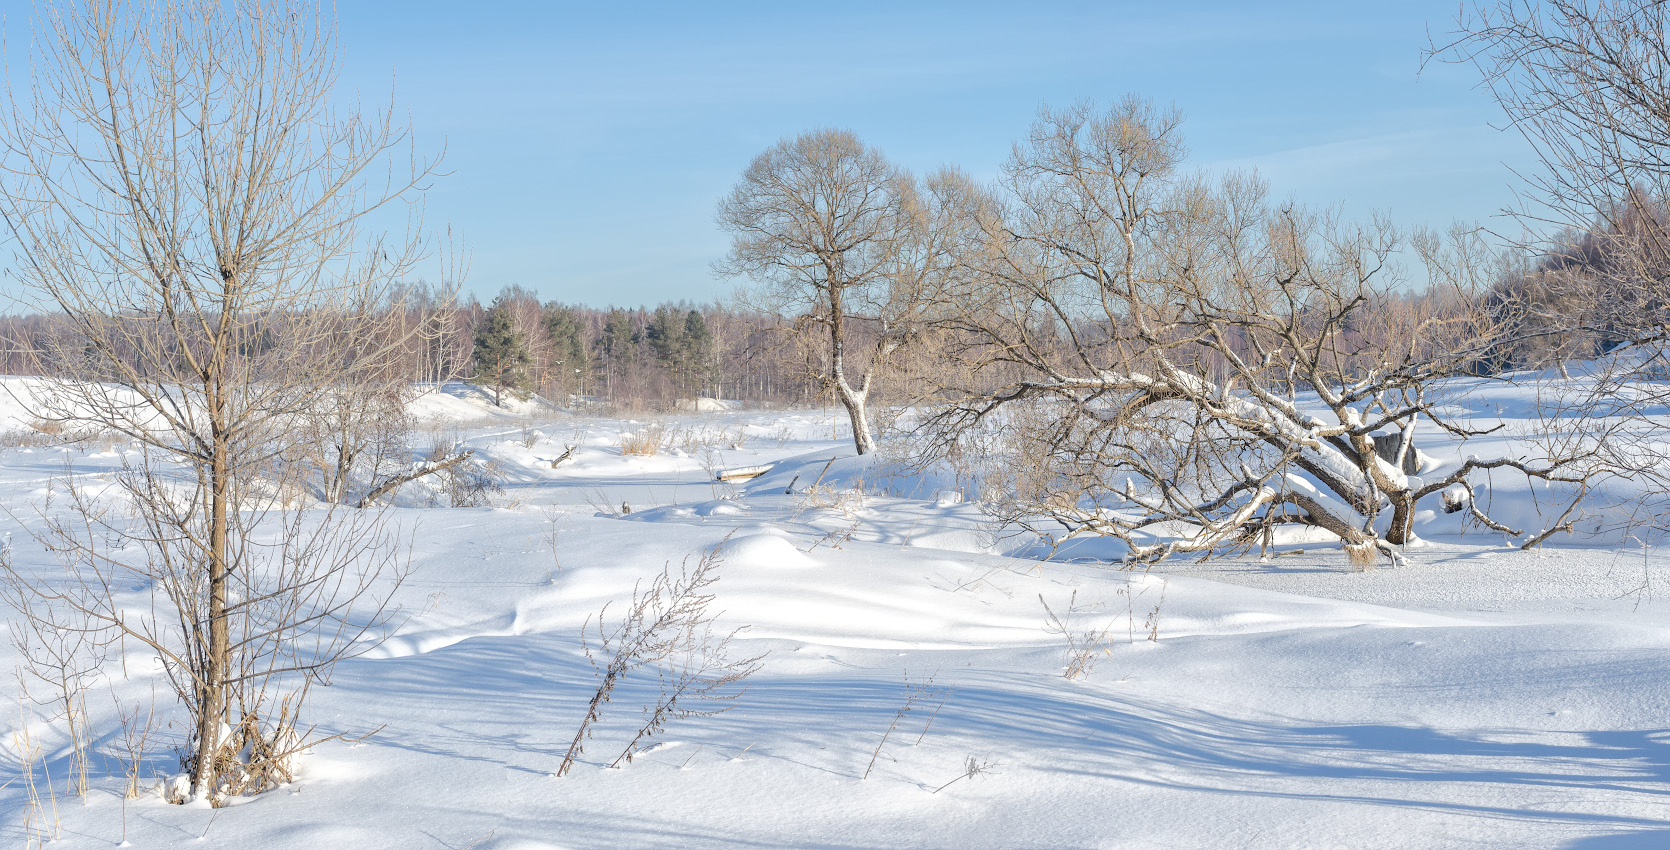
column 574, row 355
column 630, row 358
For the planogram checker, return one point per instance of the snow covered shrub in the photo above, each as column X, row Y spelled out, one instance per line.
column 472, row 484
column 26, row 438
column 737, row 437
column 258, row 753
column 845, row 500
column 694, row 439
column 47, row 426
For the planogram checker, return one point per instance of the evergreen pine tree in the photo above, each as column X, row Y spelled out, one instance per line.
column 663, row 334
column 698, row 350
column 501, row 355
column 616, row 346
column 568, row 348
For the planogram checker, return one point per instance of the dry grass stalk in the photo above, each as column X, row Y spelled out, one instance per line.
column 556, row 523
column 1152, row 622
column 1361, row 557
column 972, row 767
column 647, row 441
column 916, row 694
column 36, row 829
column 667, row 626
column 1082, row 647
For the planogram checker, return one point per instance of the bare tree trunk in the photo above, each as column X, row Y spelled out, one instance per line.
column 212, row 708
column 852, row 400
column 1401, row 531
column 862, row 438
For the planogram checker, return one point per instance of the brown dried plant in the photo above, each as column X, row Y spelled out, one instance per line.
column 667, row 627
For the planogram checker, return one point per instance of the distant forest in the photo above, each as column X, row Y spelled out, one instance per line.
column 575, row 356
column 651, row 358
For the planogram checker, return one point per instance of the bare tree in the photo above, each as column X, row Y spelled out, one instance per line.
column 1182, row 365
column 182, row 190
column 1587, row 84
column 844, row 242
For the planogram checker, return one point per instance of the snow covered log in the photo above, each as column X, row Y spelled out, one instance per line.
column 741, row 473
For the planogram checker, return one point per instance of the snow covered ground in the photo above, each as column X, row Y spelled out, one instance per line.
column 1477, row 697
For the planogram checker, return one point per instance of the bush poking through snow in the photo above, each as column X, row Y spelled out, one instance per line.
column 260, row 752
column 473, row 484
column 1082, row 647
column 647, row 441
column 129, row 747
column 63, row 662
column 666, row 627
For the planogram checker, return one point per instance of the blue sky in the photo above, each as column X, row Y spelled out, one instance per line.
column 588, row 144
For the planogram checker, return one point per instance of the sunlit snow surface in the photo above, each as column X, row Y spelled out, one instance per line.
column 1477, row 697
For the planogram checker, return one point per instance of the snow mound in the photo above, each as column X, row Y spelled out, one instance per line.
column 522, row 844
column 707, row 405
column 461, row 402
column 720, row 507
column 763, row 550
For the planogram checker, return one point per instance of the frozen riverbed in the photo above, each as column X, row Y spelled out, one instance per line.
column 1478, row 696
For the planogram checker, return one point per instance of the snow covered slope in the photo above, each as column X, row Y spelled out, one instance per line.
column 1479, row 697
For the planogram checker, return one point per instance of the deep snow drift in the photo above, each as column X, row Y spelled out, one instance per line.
column 1477, row 697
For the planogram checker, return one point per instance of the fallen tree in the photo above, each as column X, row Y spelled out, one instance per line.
column 1184, row 366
